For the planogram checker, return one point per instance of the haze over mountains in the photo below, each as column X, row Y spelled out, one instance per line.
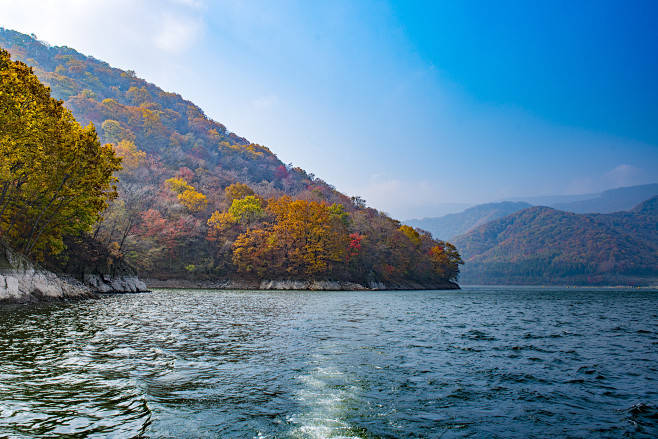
column 612, row 200
column 449, row 226
column 605, row 239
column 455, row 224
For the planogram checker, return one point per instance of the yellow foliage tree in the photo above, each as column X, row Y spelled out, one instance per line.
column 219, row 222
column 188, row 196
column 446, row 260
column 305, row 240
column 114, row 132
column 178, row 185
column 55, row 176
column 132, row 158
column 194, row 201
column 237, row 191
column 410, row 233
column 247, row 210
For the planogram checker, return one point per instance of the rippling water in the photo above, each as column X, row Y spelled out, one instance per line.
column 481, row 362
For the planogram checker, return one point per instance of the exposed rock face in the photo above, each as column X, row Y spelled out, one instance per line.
column 39, row 286
column 413, row 286
column 312, row 285
column 315, row 285
column 93, row 264
column 327, row 285
column 203, row 284
column 22, row 281
column 105, row 283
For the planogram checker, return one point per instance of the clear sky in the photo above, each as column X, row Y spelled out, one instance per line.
column 408, row 104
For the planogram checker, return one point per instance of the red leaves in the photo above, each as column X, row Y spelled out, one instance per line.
column 152, row 223
column 170, row 233
column 437, row 250
column 354, row 246
column 281, row 172
column 186, row 174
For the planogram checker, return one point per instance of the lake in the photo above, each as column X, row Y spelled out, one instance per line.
column 480, row 362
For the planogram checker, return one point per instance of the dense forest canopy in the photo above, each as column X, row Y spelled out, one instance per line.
column 197, row 201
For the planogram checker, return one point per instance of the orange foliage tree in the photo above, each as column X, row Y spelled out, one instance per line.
column 304, row 239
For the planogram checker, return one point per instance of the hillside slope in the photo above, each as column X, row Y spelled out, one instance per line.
column 612, row 200
column 199, row 202
column 449, row 226
column 541, row 245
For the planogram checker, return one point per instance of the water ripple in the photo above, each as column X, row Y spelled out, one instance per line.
column 475, row 363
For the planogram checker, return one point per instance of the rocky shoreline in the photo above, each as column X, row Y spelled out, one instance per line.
column 309, row 285
column 23, row 281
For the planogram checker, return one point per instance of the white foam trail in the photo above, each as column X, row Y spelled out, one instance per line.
column 326, row 405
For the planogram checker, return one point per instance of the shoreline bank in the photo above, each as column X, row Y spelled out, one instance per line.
column 309, row 285
column 24, row 281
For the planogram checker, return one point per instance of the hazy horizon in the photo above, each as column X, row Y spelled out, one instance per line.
column 407, row 104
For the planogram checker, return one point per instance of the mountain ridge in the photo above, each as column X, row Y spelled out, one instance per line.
column 612, row 200
column 449, row 226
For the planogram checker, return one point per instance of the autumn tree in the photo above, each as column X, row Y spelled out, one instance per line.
column 120, row 219
column 194, row 201
column 243, row 213
column 305, row 239
column 131, row 157
column 237, row 191
column 219, row 223
column 187, row 195
column 411, row 234
column 55, row 177
column 114, row 132
column 446, row 260
column 247, row 210
column 178, row 185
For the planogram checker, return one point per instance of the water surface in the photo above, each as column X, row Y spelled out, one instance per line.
column 481, row 362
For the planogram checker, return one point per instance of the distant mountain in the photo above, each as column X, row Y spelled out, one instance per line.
column 449, row 226
column 541, row 245
column 551, row 200
column 434, row 210
column 648, row 207
column 613, row 200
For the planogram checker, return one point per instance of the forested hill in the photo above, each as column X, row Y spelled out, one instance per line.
column 541, row 245
column 199, row 202
column 449, row 226
column 124, row 107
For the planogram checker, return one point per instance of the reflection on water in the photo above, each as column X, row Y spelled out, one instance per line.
column 480, row 362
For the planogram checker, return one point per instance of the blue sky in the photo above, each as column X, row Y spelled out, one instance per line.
column 409, row 104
